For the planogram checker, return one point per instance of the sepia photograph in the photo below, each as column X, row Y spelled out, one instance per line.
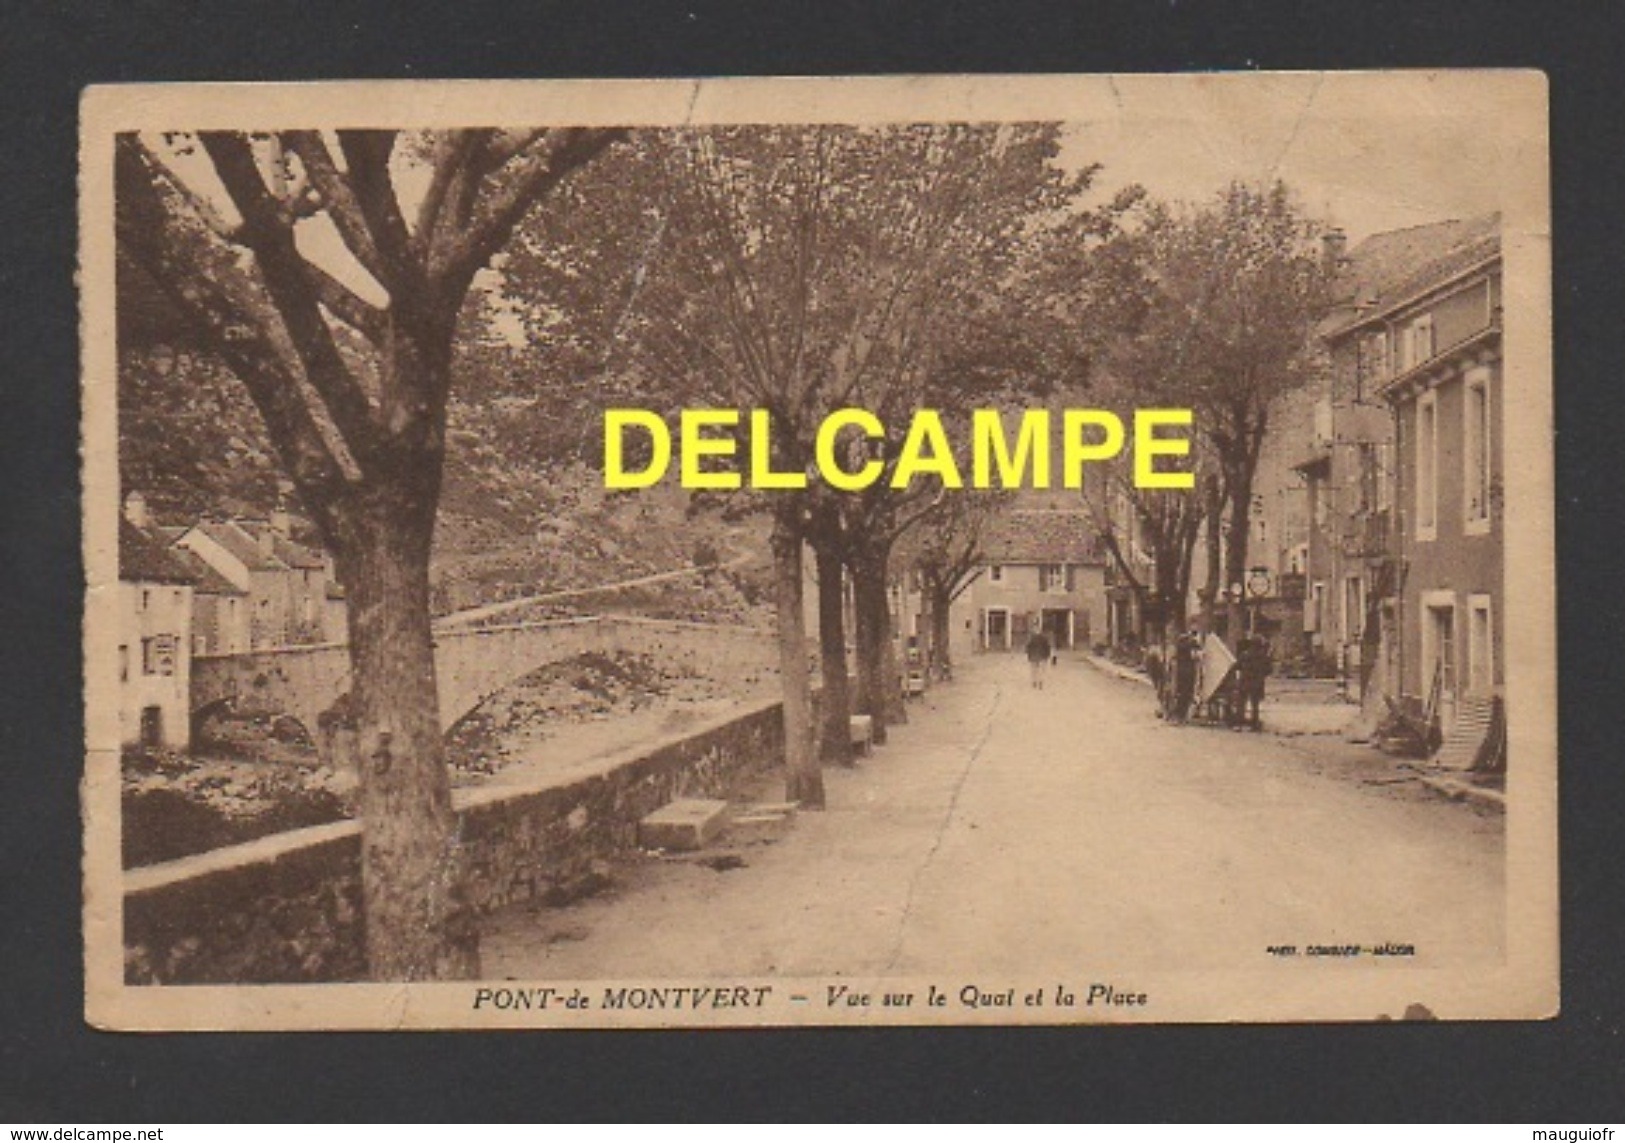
column 768, row 552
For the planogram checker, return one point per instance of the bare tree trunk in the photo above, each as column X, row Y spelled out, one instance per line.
column 418, row 922
column 1238, row 533
column 1182, row 582
column 1210, row 593
column 836, row 709
column 872, row 614
column 942, row 633
column 804, row 779
column 891, row 677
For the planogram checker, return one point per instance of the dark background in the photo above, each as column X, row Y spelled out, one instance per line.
column 53, row 1069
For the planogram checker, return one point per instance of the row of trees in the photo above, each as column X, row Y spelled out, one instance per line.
column 1213, row 307
column 796, row 270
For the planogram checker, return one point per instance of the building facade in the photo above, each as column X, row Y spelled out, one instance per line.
column 289, row 588
column 1446, row 391
column 1395, row 312
column 155, row 643
column 1044, row 568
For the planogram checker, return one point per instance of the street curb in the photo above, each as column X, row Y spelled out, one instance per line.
column 1457, row 790
column 1106, row 666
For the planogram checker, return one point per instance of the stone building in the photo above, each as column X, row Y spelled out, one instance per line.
column 288, row 585
column 1043, row 568
column 1443, row 329
column 1381, row 326
column 155, row 642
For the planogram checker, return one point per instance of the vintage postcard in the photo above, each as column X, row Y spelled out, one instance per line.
column 935, row 550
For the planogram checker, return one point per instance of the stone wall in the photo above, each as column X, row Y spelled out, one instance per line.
column 287, row 908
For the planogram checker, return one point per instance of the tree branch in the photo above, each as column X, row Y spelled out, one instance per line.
column 452, row 154
column 339, row 199
column 193, row 268
column 367, row 154
column 292, row 288
column 562, row 151
column 348, row 306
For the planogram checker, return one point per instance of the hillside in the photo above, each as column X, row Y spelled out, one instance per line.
column 515, row 519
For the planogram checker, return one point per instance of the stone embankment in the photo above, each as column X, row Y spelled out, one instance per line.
column 287, row 908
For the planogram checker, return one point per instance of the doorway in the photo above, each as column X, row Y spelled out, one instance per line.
column 152, row 727
column 1058, row 627
column 1439, row 654
column 996, row 629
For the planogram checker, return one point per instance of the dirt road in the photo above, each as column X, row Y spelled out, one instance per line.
column 1007, row 829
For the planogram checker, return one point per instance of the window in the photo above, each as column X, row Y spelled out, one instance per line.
column 158, row 655
column 1476, row 446
column 1055, row 578
column 123, row 662
column 995, row 573
column 146, row 599
column 1480, row 646
column 1416, row 343
column 1427, row 466
column 1315, row 608
column 1371, row 363
column 1366, row 459
column 1384, row 477
column 1422, row 334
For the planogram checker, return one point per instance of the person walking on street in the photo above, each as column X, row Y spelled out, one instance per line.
column 1038, row 655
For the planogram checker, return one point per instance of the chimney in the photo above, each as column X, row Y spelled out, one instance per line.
column 1334, row 246
column 135, row 510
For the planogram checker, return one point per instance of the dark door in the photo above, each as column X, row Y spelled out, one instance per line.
column 1055, row 627
column 152, row 727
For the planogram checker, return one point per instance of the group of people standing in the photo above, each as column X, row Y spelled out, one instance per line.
column 1176, row 676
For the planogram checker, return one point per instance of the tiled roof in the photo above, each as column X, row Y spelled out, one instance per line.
column 1388, row 268
column 296, row 555
column 142, row 558
column 1043, row 536
column 244, row 547
column 208, row 581
column 289, row 552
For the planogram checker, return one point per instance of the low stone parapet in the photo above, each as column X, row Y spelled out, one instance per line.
column 287, row 908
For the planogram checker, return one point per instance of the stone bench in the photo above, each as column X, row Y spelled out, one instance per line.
column 688, row 823
column 862, row 734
